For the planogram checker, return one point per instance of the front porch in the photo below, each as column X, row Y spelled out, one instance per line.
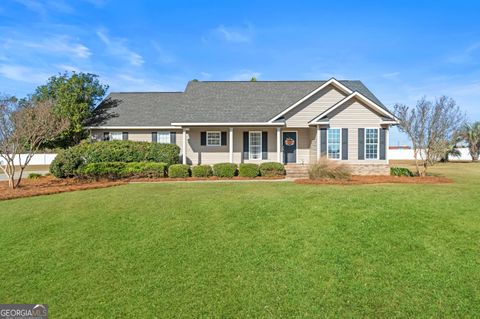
column 210, row 145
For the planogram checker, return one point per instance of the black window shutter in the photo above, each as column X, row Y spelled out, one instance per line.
column 173, row 138
column 224, row 138
column 203, row 138
column 245, row 146
column 106, row 136
column 154, row 137
column 383, row 144
column 125, row 136
column 361, row 143
column 344, row 143
column 264, row 145
column 323, row 141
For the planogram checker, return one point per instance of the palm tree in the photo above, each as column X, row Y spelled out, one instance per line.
column 470, row 133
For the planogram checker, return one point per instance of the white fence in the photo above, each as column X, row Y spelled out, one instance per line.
column 37, row 159
column 407, row 154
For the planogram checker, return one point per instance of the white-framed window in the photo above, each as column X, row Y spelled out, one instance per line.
column 163, row 137
column 116, row 136
column 371, row 143
column 214, row 138
column 255, row 145
column 334, row 143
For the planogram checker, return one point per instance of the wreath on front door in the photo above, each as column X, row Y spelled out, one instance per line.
column 289, row 141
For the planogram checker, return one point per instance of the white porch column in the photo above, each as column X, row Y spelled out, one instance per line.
column 230, row 144
column 184, row 146
column 387, row 144
column 279, row 145
column 318, row 142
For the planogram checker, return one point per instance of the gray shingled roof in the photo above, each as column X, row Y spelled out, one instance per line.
column 212, row 101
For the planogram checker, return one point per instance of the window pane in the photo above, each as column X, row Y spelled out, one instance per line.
column 333, row 141
column 371, row 143
column 255, row 145
column 213, row 139
column 116, row 136
column 163, row 137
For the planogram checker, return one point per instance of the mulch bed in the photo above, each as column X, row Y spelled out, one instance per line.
column 50, row 185
column 378, row 179
column 213, row 178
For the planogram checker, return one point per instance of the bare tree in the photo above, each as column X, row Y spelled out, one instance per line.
column 430, row 126
column 24, row 127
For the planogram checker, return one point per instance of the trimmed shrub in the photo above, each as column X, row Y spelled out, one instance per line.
column 145, row 169
column 224, row 170
column 68, row 161
column 272, row 169
column 248, row 170
column 202, row 171
column 325, row 169
column 400, row 171
column 110, row 170
column 34, row 176
column 179, row 171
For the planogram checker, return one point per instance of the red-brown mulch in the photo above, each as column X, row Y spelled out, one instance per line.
column 378, row 179
column 213, row 178
column 50, row 185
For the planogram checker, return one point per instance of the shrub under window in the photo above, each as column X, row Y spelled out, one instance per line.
column 272, row 169
column 248, row 170
column 179, row 171
column 202, row 171
column 225, row 170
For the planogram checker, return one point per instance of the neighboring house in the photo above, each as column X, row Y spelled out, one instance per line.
column 293, row 122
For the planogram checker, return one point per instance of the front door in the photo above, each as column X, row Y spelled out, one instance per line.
column 289, row 147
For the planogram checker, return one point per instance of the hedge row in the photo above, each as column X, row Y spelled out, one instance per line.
column 116, row 170
column 69, row 161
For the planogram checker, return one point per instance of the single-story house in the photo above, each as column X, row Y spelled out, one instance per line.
column 292, row 122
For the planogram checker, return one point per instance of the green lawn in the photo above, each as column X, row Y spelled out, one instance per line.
column 248, row 250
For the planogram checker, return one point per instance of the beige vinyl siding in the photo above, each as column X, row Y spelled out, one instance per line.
column 354, row 115
column 198, row 154
column 137, row 135
column 314, row 106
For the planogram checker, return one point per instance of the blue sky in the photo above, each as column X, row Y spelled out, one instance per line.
column 401, row 50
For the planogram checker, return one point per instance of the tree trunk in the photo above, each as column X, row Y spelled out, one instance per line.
column 474, row 153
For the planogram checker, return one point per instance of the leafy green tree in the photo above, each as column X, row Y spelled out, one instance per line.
column 74, row 97
column 253, row 79
column 470, row 132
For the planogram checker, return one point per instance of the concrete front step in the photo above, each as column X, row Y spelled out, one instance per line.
column 296, row 170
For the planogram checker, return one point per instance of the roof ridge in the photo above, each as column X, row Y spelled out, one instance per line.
column 148, row 92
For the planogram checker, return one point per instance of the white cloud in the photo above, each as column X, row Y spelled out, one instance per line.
column 56, row 44
column 233, row 34
column 43, row 7
column 23, row 74
column 126, row 82
column 468, row 55
column 118, row 47
column 391, row 75
column 245, row 75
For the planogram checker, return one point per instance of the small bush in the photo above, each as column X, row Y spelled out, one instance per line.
column 248, row 170
column 110, row 170
column 400, row 171
column 179, row 171
column 34, row 176
column 325, row 168
column 272, row 169
column 225, row 170
column 202, row 171
column 145, row 169
column 68, row 161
